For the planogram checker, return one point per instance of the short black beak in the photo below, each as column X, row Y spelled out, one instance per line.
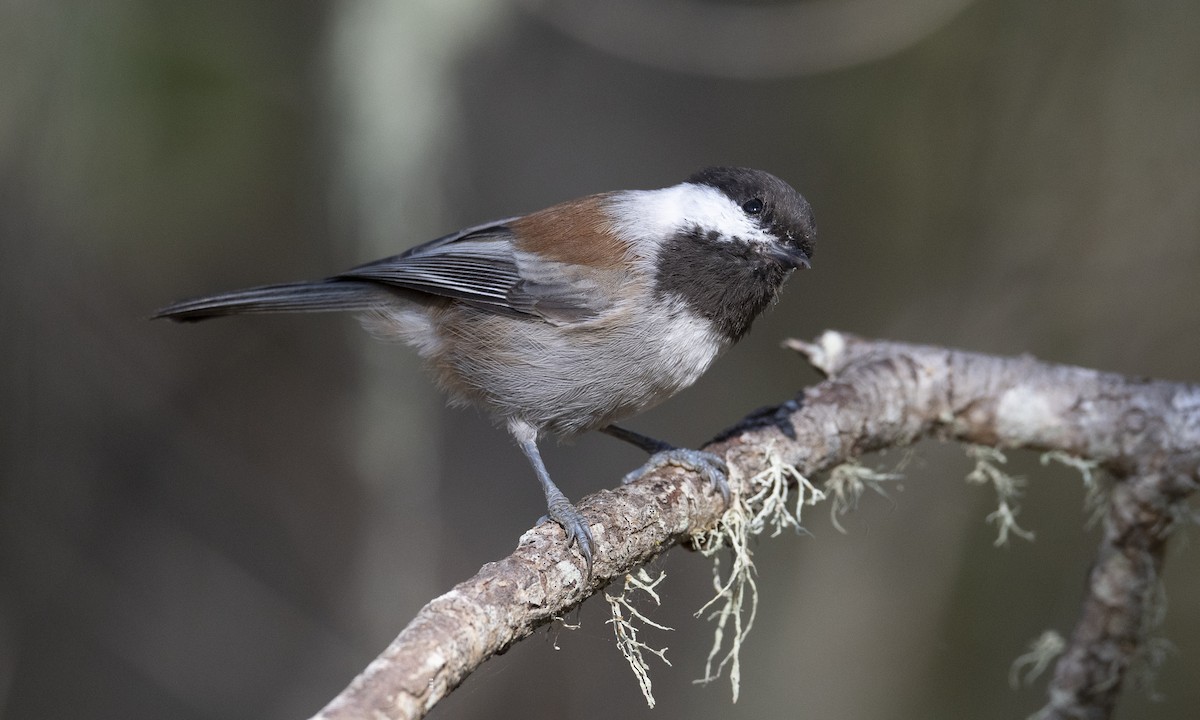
column 791, row 256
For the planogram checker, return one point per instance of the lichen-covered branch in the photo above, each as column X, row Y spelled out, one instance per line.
column 876, row 395
column 1121, row 600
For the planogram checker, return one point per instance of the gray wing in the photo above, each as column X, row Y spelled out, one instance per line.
column 481, row 267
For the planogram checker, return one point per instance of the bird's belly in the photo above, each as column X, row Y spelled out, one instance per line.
column 569, row 380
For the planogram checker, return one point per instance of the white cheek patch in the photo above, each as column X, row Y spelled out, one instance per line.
column 655, row 215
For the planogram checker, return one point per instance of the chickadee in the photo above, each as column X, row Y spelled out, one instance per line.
column 577, row 316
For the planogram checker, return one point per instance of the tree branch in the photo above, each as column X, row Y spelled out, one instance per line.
column 877, row 395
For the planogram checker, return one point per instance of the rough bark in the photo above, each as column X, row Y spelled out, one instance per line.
column 876, row 395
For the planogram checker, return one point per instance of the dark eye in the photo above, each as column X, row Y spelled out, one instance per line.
column 753, row 207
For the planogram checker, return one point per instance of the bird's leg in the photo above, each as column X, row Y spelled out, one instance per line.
column 662, row 454
column 558, row 507
column 645, row 442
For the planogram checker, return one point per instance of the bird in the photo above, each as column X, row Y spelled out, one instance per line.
column 578, row 316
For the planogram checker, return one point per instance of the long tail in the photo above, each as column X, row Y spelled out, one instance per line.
column 315, row 296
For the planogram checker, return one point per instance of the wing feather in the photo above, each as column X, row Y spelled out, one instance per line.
column 481, row 266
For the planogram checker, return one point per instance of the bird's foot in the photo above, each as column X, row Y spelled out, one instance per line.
column 574, row 525
column 709, row 465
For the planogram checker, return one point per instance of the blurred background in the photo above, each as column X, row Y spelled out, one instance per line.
column 230, row 520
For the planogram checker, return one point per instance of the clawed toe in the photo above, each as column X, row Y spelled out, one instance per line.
column 577, row 530
column 710, row 465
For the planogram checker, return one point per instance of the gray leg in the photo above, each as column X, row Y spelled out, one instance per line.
column 558, row 506
column 663, row 454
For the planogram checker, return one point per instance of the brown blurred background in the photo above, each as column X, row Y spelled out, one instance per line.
column 229, row 520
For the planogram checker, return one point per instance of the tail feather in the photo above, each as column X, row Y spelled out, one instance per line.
column 317, row 296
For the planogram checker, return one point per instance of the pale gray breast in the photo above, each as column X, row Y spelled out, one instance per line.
column 569, row 380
